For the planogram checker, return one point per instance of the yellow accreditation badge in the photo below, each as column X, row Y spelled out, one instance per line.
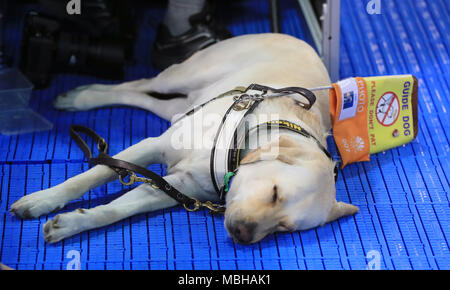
column 373, row 114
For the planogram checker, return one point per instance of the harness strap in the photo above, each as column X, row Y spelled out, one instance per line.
column 221, row 160
column 307, row 94
column 237, row 90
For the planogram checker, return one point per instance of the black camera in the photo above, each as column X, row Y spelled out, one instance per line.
column 89, row 45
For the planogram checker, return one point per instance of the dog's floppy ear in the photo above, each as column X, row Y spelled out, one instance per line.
column 341, row 209
column 285, row 149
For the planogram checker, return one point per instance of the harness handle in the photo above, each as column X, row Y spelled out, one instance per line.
column 307, row 94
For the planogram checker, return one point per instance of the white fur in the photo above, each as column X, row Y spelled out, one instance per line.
column 302, row 174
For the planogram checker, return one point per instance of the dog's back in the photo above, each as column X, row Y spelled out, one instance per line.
column 275, row 60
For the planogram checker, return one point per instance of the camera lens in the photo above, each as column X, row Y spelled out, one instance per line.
column 84, row 54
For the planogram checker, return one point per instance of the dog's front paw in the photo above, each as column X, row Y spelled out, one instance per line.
column 36, row 204
column 64, row 225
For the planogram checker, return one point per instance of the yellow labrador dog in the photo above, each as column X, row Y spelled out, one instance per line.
column 284, row 184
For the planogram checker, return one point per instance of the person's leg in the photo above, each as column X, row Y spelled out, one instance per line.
column 178, row 14
column 187, row 28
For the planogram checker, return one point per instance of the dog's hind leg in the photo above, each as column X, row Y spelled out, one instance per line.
column 148, row 151
column 81, row 100
column 143, row 198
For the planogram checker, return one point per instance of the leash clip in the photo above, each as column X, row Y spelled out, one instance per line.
column 213, row 208
column 133, row 178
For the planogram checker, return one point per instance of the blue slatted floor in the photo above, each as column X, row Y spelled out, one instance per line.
column 403, row 194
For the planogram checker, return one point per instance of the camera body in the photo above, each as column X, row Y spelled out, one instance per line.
column 87, row 45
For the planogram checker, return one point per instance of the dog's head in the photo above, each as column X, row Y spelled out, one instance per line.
column 282, row 186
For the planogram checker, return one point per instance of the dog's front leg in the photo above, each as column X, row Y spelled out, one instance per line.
column 143, row 198
column 146, row 152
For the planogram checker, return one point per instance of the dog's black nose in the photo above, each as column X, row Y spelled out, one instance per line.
column 243, row 232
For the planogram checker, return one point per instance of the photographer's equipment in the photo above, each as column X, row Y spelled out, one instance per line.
column 98, row 18
column 92, row 43
column 47, row 49
column 2, row 13
column 15, row 115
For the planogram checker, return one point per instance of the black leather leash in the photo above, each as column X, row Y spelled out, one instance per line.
column 126, row 169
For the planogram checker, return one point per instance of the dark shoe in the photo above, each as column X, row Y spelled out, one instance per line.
column 169, row 49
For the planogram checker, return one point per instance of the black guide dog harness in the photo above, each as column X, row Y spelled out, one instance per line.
column 245, row 102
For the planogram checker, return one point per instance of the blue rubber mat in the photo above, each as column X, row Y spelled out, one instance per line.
column 403, row 194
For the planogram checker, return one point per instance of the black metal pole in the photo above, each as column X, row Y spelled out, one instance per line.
column 2, row 27
column 274, row 17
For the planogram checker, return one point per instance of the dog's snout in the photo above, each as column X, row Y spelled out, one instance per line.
column 242, row 232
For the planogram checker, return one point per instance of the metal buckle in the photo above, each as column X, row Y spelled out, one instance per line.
column 244, row 101
column 243, row 105
column 102, row 146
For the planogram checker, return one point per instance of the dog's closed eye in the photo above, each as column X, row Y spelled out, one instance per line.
column 284, row 226
column 275, row 194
